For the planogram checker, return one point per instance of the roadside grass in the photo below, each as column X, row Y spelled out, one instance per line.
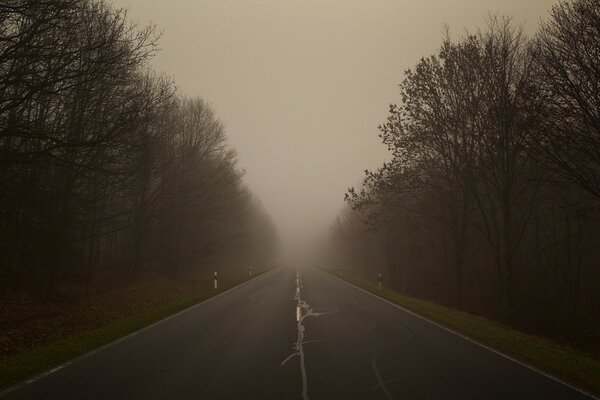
column 113, row 314
column 558, row 359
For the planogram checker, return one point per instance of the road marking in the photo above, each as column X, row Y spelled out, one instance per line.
column 130, row 335
column 498, row 352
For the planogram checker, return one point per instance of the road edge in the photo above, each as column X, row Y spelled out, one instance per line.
column 89, row 353
column 474, row 341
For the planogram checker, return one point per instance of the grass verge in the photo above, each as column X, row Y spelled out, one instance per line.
column 45, row 356
column 557, row 359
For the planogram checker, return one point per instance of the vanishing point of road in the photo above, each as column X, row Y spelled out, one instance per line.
column 294, row 334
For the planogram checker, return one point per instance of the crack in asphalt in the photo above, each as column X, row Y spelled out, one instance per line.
column 303, row 310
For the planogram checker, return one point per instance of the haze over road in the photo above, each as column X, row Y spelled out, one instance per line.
column 248, row 344
column 303, row 85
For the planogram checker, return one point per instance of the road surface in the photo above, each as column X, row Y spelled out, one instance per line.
column 289, row 335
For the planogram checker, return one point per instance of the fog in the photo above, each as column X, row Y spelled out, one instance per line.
column 313, row 199
column 301, row 86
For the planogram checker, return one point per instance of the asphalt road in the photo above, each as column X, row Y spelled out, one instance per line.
column 283, row 337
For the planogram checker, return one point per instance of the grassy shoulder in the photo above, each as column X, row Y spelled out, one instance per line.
column 558, row 359
column 99, row 320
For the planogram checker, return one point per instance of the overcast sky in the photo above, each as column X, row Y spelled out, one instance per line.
column 302, row 85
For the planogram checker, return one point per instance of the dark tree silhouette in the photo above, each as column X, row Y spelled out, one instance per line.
column 107, row 173
column 485, row 204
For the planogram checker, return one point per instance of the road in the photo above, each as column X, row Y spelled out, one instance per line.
column 280, row 336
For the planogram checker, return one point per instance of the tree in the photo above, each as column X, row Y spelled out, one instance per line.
column 104, row 166
column 566, row 53
column 487, row 195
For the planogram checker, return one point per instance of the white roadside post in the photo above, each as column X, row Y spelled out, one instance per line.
column 379, row 281
column 250, row 270
column 215, row 280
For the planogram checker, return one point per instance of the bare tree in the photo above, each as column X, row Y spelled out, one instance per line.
column 567, row 50
column 102, row 163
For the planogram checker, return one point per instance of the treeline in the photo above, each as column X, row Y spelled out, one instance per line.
column 491, row 201
column 108, row 173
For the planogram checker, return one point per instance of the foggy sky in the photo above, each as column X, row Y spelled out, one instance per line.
column 302, row 85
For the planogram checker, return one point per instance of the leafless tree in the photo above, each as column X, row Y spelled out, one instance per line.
column 566, row 52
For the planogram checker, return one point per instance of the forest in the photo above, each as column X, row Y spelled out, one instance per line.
column 490, row 202
column 109, row 174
